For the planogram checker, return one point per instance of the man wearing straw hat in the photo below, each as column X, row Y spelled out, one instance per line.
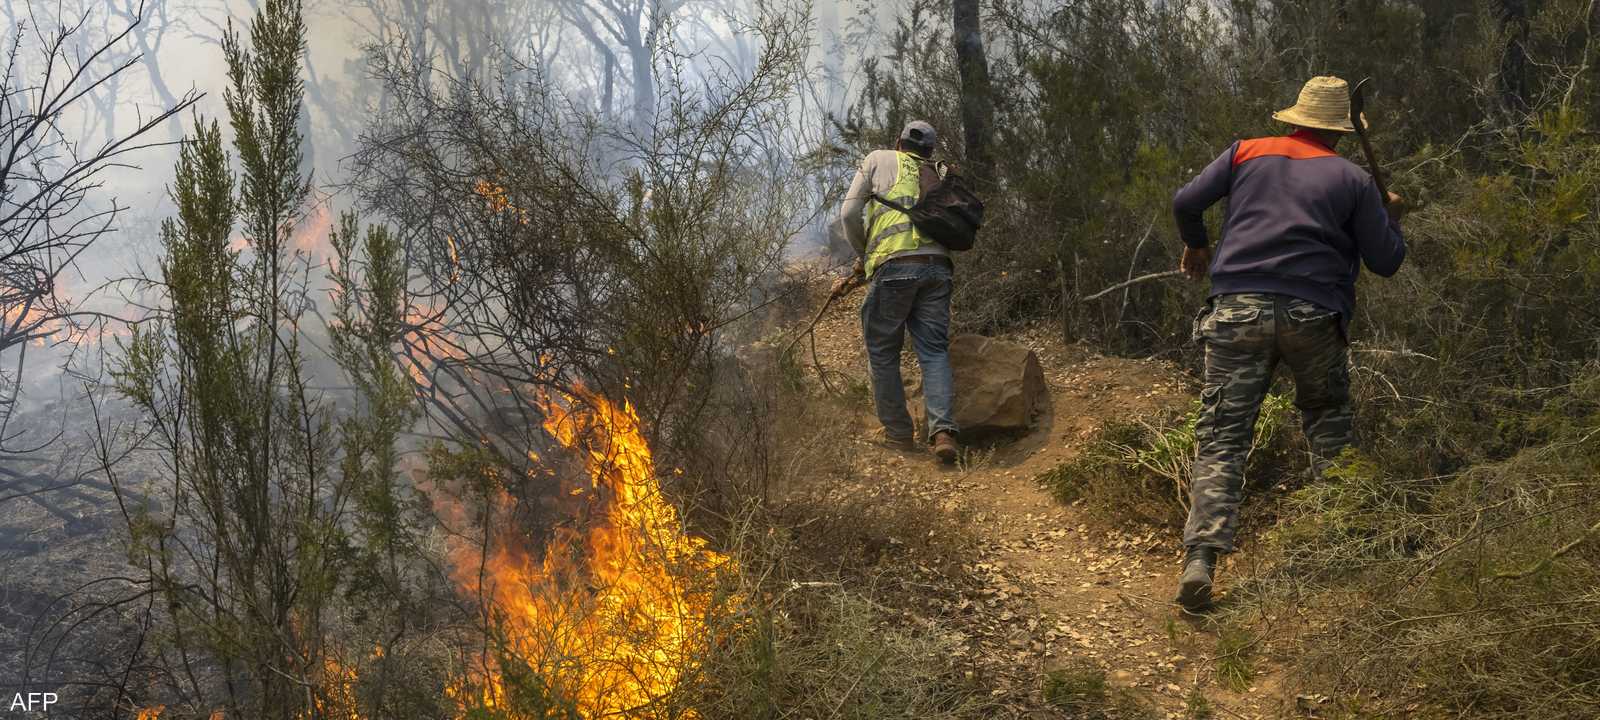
column 1300, row 222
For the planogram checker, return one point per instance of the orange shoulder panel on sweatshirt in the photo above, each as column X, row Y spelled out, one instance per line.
column 1294, row 147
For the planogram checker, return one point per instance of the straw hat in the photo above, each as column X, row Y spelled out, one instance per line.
column 1324, row 105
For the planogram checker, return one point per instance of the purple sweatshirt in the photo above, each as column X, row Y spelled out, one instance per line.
column 1300, row 222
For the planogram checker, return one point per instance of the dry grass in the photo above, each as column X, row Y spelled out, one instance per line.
column 1460, row 581
column 838, row 620
column 1081, row 691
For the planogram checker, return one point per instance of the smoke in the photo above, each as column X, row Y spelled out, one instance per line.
column 594, row 58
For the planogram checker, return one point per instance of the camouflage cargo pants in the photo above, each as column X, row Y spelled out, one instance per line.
column 1246, row 336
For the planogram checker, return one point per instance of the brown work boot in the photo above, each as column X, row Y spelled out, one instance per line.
column 902, row 444
column 945, row 447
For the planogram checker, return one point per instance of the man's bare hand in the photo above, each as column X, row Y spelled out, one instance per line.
column 1196, row 262
column 1396, row 206
column 849, row 282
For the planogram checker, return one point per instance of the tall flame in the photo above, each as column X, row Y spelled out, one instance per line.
column 609, row 618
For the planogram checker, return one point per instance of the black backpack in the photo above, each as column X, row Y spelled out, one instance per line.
column 947, row 210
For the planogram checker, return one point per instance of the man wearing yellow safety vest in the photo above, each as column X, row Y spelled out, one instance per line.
column 910, row 289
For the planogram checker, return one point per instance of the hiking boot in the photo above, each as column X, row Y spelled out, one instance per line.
column 945, row 447
column 1194, row 586
column 905, row 444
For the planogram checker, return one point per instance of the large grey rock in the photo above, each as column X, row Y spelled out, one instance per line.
column 999, row 386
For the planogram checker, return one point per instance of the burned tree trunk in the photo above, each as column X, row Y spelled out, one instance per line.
column 640, row 46
column 977, row 97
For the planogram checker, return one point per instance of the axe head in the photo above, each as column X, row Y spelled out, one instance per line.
column 1358, row 105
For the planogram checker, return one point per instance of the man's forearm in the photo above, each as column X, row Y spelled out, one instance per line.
column 850, row 222
column 1190, row 203
column 854, row 209
column 1192, row 228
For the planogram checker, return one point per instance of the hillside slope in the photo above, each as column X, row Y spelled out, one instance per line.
column 1056, row 590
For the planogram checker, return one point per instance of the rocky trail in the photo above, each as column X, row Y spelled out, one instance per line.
column 1053, row 589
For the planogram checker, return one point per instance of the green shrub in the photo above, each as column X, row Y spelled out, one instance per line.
column 829, row 652
column 1197, row 707
column 1079, row 689
column 822, row 633
column 1141, row 471
column 1356, row 517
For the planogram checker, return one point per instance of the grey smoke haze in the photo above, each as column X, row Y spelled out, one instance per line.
column 590, row 55
column 460, row 36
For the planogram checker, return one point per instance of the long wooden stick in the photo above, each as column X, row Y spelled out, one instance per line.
column 810, row 331
column 1130, row 283
column 1358, row 105
column 812, row 326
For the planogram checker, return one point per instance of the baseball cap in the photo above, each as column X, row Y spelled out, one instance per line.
column 920, row 133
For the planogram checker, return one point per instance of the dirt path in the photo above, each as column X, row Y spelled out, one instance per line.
column 1058, row 589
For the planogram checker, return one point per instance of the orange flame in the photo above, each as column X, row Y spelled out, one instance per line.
column 154, row 713
column 309, row 237
column 337, row 700
column 499, row 200
column 432, row 340
column 46, row 328
column 614, row 633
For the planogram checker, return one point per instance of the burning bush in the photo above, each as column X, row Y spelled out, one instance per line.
column 607, row 618
column 552, row 247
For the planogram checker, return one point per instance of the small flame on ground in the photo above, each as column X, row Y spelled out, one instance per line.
column 154, row 713
column 337, row 698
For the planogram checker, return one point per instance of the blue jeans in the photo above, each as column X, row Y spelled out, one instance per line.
column 916, row 297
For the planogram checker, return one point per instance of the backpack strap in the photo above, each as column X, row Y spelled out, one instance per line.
column 891, row 204
column 930, row 173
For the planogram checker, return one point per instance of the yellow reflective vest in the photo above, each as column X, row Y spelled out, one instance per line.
column 890, row 231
